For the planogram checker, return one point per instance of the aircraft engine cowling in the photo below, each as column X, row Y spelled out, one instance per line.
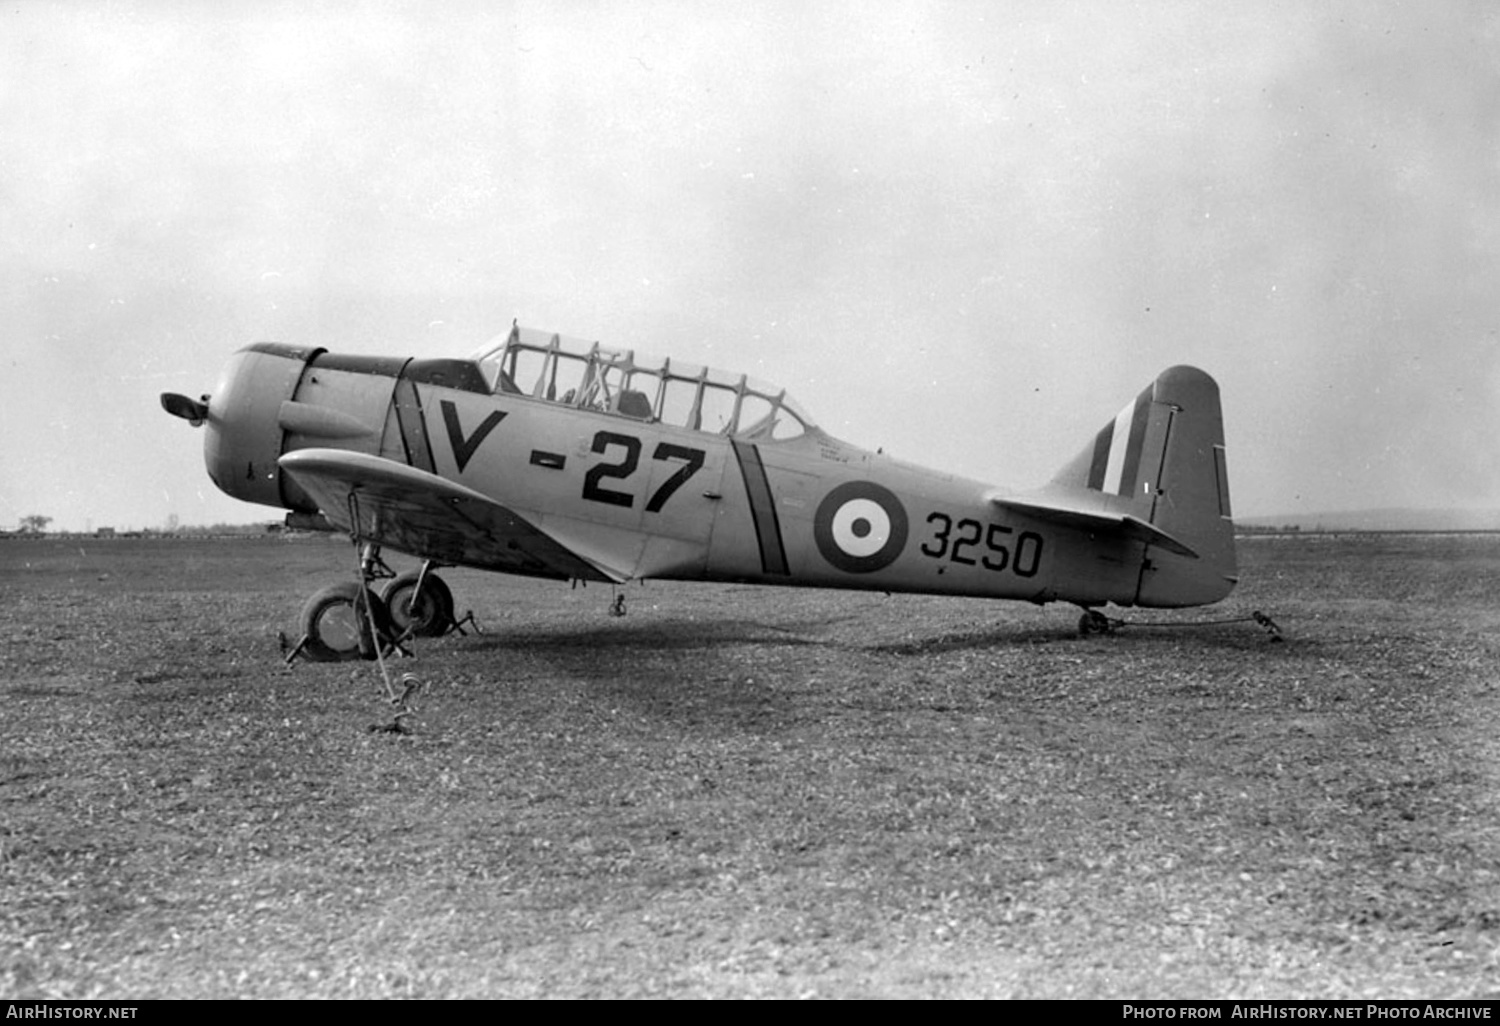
column 274, row 399
column 244, row 437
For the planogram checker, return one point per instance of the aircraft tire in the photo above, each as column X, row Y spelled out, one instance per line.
column 426, row 615
column 1094, row 622
column 337, row 625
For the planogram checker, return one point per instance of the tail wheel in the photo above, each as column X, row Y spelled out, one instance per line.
column 1094, row 622
column 336, row 623
column 426, row 614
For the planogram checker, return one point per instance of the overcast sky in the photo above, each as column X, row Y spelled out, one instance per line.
column 966, row 232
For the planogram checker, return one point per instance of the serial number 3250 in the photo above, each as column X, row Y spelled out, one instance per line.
column 960, row 543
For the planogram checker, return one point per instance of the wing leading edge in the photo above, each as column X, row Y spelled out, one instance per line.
column 1099, row 521
column 426, row 515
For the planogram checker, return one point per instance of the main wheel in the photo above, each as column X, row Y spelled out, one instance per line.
column 336, row 622
column 426, row 614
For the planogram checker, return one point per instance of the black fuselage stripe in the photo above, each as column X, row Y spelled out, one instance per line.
column 413, row 427
column 762, row 508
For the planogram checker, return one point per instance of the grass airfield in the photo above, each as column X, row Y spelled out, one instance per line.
column 743, row 792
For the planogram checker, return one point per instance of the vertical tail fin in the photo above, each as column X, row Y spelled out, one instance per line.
column 1161, row 460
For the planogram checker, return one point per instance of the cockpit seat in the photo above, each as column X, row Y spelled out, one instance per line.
column 634, row 404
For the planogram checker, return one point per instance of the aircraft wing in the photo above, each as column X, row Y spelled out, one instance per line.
column 1083, row 518
column 426, row 515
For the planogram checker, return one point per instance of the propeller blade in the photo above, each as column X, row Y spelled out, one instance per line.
column 190, row 410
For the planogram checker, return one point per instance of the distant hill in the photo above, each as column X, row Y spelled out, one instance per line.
column 1383, row 520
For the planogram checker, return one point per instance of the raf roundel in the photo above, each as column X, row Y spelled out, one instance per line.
column 860, row 527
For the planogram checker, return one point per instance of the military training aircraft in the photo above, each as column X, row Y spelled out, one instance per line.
column 549, row 457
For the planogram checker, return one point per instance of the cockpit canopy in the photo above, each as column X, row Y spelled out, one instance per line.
column 586, row 375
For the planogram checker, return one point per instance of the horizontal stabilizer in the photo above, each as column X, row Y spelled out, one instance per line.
column 1100, row 521
column 420, row 513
